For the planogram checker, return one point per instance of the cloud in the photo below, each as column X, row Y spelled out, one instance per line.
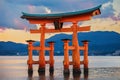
column 2, row 29
column 60, row 5
column 10, row 14
column 111, row 10
column 38, row 9
column 103, row 24
column 106, row 5
column 24, row 2
column 116, row 7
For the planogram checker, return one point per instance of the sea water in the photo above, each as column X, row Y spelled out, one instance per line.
column 100, row 68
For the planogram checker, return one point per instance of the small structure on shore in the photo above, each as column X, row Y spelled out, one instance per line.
column 58, row 20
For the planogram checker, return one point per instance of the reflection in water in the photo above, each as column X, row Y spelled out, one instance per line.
column 66, row 76
column 86, row 71
column 76, row 76
column 15, row 68
column 51, row 76
column 30, row 76
column 86, row 76
column 41, row 76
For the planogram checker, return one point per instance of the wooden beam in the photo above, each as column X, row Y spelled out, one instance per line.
column 35, row 31
column 76, row 18
column 47, row 62
column 40, row 21
column 71, row 62
column 82, row 17
column 81, row 48
column 39, row 48
column 36, row 48
column 61, row 30
column 85, row 28
column 37, row 62
column 71, row 47
column 47, row 48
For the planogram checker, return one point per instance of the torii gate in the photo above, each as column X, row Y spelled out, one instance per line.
column 58, row 20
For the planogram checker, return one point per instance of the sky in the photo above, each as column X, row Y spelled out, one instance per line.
column 13, row 28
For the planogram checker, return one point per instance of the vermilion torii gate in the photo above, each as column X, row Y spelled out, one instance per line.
column 58, row 20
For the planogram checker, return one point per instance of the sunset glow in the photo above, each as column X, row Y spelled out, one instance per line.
column 13, row 28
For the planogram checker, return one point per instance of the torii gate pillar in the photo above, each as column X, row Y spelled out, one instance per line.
column 75, row 54
column 30, row 59
column 41, row 53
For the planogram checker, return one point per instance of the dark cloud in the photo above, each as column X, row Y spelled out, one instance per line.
column 10, row 15
column 24, row 2
column 60, row 5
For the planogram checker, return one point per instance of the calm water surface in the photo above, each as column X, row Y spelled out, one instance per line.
column 100, row 68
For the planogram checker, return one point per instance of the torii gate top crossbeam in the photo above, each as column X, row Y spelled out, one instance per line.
column 61, row 17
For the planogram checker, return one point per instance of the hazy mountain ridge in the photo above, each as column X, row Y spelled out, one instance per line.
column 12, row 48
column 101, row 43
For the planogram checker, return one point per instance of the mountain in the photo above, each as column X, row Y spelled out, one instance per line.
column 12, row 48
column 101, row 43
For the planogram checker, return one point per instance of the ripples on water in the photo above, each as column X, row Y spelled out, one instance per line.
column 100, row 68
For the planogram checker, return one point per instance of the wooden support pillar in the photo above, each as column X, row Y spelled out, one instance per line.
column 66, row 56
column 85, row 42
column 42, row 50
column 30, row 60
column 75, row 54
column 51, row 58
